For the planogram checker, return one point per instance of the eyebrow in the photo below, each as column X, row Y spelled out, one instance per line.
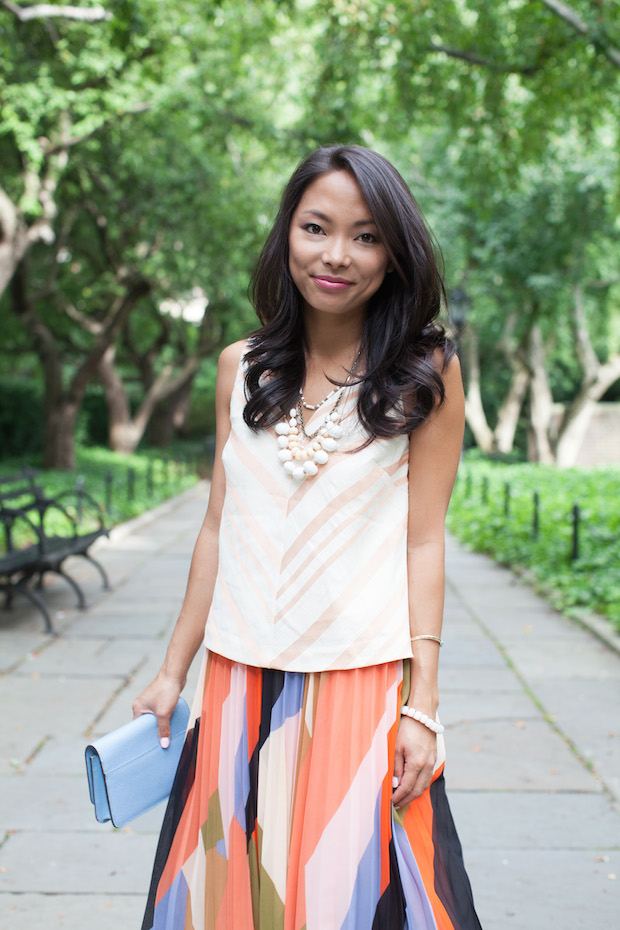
column 326, row 219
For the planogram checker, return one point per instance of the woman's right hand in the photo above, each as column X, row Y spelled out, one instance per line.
column 160, row 698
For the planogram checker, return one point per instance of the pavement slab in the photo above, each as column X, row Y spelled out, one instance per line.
column 95, row 657
column 535, row 820
column 589, row 714
column 560, row 659
column 41, row 707
column 479, row 678
column 529, row 699
column 518, row 755
column 62, row 911
column 458, row 706
column 108, row 862
column 534, row 890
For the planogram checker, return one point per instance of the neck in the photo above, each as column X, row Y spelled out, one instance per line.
column 330, row 336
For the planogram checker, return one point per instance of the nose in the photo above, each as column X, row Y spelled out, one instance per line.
column 336, row 253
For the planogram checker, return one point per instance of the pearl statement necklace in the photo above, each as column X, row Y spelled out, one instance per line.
column 301, row 460
column 298, row 460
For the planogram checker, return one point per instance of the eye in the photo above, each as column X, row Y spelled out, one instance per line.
column 367, row 237
column 313, row 228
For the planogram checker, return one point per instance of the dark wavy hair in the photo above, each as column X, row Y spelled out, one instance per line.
column 399, row 384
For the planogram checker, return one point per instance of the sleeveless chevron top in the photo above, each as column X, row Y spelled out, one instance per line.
column 311, row 575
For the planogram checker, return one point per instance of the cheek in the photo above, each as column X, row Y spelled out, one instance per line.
column 380, row 271
column 296, row 252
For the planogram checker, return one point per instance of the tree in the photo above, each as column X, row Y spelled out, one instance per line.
column 546, row 242
column 148, row 149
column 116, row 233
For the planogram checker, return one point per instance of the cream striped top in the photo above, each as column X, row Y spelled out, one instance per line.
column 311, row 576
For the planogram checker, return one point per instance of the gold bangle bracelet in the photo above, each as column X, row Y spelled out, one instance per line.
column 435, row 639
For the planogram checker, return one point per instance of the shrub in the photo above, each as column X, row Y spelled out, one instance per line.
column 504, row 527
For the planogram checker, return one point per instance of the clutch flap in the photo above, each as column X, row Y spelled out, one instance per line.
column 129, row 772
column 126, row 744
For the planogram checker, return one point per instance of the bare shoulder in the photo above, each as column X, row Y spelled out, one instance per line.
column 449, row 369
column 450, row 373
column 229, row 358
column 227, row 367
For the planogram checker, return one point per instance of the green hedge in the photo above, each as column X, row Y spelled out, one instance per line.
column 492, row 511
column 21, row 416
column 124, row 485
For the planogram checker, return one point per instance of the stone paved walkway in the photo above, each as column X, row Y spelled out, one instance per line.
column 531, row 703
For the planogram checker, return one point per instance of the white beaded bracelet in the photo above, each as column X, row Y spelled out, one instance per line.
column 422, row 718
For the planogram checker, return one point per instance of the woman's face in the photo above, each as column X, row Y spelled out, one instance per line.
column 335, row 257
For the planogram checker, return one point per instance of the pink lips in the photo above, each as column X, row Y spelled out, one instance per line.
column 331, row 284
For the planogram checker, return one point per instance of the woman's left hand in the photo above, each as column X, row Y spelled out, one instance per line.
column 414, row 761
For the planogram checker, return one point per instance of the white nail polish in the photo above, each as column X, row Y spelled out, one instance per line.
column 165, row 742
column 395, row 782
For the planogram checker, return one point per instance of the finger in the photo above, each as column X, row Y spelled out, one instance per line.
column 163, row 731
column 399, row 767
column 405, row 786
column 414, row 788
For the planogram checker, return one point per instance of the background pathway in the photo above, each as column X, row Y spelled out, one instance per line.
column 531, row 703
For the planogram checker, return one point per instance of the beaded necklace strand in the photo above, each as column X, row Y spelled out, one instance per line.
column 302, row 460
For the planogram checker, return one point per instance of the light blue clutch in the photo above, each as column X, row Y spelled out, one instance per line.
column 128, row 771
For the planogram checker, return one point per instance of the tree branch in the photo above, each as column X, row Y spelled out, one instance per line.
column 136, row 288
column 91, row 326
column 93, row 14
column 13, row 239
column 474, row 59
column 100, row 224
column 600, row 40
column 71, row 141
column 165, row 384
column 602, row 283
column 587, row 356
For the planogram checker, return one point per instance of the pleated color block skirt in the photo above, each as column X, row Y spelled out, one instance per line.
column 280, row 817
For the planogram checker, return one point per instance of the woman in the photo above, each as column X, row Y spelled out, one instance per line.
column 310, row 791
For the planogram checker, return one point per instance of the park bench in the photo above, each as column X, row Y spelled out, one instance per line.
column 40, row 533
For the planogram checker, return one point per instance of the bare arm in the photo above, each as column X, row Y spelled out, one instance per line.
column 161, row 696
column 433, row 461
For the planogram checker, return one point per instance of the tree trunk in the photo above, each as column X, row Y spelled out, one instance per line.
column 474, row 408
column 125, row 430
column 500, row 439
column 61, row 408
column 122, row 434
column 161, row 429
column 59, row 451
column 579, row 414
column 169, row 418
column 508, row 416
column 573, row 432
column 181, row 406
column 541, row 401
column 597, row 379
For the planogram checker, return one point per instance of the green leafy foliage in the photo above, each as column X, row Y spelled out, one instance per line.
column 503, row 526
column 130, row 484
column 152, row 146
